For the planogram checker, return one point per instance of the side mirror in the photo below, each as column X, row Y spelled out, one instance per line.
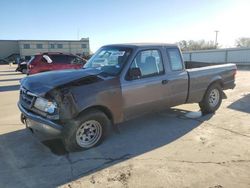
column 47, row 58
column 134, row 73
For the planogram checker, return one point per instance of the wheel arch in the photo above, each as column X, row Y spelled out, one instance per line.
column 101, row 108
column 70, row 132
column 216, row 80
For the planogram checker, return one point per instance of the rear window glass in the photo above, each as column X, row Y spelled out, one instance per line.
column 64, row 59
column 31, row 59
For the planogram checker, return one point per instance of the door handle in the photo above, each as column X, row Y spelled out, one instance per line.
column 164, row 82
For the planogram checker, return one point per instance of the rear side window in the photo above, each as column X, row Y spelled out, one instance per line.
column 175, row 59
column 44, row 60
column 61, row 59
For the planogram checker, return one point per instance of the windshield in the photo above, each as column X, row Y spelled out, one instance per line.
column 109, row 60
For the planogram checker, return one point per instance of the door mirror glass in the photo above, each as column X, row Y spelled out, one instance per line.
column 134, row 73
column 47, row 58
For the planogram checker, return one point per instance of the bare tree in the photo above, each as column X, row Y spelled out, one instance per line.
column 183, row 45
column 196, row 45
column 242, row 42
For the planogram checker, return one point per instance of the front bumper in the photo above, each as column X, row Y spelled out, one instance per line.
column 40, row 124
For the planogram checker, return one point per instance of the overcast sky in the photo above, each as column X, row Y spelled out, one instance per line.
column 119, row 21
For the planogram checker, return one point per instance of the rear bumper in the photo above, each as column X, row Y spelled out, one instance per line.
column 45, row 127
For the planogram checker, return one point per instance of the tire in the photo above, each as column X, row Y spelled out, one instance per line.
column 86, row 131
column 212, row 99
column 24, row 71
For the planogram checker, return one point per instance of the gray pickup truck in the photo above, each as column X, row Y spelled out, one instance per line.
column 118, row 83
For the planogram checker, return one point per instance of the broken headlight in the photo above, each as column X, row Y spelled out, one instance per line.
column 45, row 105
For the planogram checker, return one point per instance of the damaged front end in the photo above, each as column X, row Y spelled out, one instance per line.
column 66, row 101
column 49, row 111
column 39, row 114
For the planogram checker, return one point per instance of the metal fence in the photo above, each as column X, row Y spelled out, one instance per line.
column 239, row 56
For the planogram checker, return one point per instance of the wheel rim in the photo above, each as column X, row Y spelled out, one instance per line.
column 214, row 97
column 89, row 133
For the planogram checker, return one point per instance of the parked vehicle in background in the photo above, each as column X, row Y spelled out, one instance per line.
column 118, row 83
column 22, row 66
column 10, row 59
column 3, row 62
column 54, row 61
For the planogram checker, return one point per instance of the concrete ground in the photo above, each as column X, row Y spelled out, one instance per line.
column 159, row 150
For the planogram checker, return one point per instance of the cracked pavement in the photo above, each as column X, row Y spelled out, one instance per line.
column 165, row 149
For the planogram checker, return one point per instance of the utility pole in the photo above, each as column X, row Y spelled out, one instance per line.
column 216, row 37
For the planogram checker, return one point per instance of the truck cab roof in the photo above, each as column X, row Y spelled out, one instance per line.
column 144, row 45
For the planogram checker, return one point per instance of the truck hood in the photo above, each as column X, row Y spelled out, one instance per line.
column 41, row 83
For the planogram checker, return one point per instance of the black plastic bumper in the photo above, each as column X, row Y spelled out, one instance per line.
column 40, row 124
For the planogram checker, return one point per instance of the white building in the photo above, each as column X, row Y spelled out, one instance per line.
column 27, row 48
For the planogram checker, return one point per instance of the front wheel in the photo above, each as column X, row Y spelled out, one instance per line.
column 86, row 131
column 212, row 99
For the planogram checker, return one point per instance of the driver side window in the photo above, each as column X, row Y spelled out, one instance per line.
column 149, row 63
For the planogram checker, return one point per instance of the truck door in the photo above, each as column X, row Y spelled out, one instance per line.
column 177, row 77
column 148, row 91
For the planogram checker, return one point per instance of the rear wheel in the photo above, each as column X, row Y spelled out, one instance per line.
column 86, row 131
column 212, row 99
column 24, row 71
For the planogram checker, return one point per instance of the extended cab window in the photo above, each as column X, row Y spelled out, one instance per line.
column 149, row 63
column 175, row 59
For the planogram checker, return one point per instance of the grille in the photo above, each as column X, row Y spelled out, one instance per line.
column 27, row 98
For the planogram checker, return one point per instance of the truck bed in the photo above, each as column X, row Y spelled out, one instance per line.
column 202, row 76
column 196, row 64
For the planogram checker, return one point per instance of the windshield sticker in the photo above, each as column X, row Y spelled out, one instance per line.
column 118, row 53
